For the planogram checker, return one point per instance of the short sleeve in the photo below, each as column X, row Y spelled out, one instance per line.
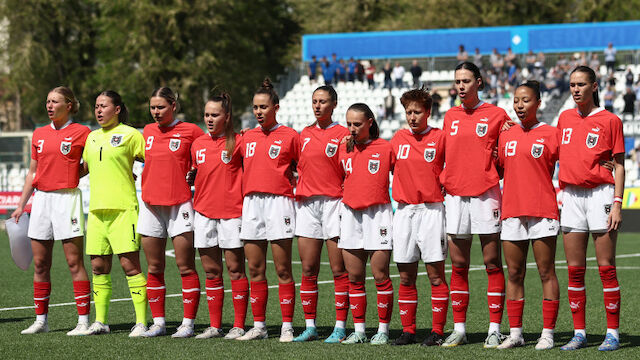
column 295, row 146
column 137, row 145
column 34, row 149
column 194, row 163
column 617, row 136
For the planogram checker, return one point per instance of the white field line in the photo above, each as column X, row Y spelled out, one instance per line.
column 471, row 268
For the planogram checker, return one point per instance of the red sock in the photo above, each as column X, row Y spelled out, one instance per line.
column 259, row 295
column 156, row 292
column 41, row 293
column 611, row 291
column 459, row 293
column 82, row 293
column 439, row 307
column 215, row 300
column 287, row 294
column 309, row 296
column 515, row 308
column 358, row 301
column 495, row 294
column 240, row 294
column 385, row 301
column 550, row 313
column 577, row 296
column 408, row 304
column 190, row 294
column 341, row 285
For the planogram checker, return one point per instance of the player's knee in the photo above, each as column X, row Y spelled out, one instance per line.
column 435, row 280
column 284, row 275
column 338, row 271
column 547, row 275
column 380, row 276
column 41, row 266
column 310, row 270
column 516, row 275
column 236, row 275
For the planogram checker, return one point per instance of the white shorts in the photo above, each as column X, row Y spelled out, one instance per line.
column 56, row 215
column 368, row 229
column 528, row 228
column 267, row 217
column 160, row 221
column 468, row 215
column 418, row 233
column 318, row 217
column 208, row 233
column 586, row 210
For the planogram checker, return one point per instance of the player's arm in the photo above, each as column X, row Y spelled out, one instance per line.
column 615, row 216
column 27, row 190
column 83, row 169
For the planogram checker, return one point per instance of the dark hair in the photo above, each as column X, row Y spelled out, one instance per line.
column 332, row 94
column 167, row 94
column 474, row 69
column 592, row 78
column 421, row 96
column 69, row 98
column 267, row 88
column 116, row 99
column 533, row 85
column 374, row 130
column 225, row 101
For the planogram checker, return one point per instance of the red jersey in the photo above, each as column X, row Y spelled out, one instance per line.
column 319, row 169
column 366, row 171
column 267, row 160
column 218, row 181
column 585, row 141
column 58, row 153
column 419, row 162
column 470, row 138
column 167, row 161
column 528, row 158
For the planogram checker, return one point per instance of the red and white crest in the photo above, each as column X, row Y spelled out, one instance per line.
column 331, row 149
column 481, row 129
column 374, row 166
column 65, row 147
column 274, row 151
column 536, row 150
column 592, row 140
column 224, row 156
column 429, row 154
column 116, row 140
column 174, row 144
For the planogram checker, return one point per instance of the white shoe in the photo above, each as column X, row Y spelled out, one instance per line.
column 545, row 342
column 80, row 330
column 155, row 330
column 35, row 328
column 98, row 328
column 184, row 331
column 210, row 332
column 511, row 342
column 234, row 333
column 138, row 330
column 286, row 335
column 254, row 333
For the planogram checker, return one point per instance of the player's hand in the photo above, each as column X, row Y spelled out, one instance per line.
column 242, row 131
column 191, row 176
column 615, row 216
column 507, row 125
column 15, row 215
column 494, row 152
column 346, row 139
column 608, row 164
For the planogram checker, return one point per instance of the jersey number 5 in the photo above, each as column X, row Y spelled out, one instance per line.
column 566, row 135
column 454, row 127
column 251, row 150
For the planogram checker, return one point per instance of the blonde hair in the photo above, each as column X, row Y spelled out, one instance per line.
column 69, row 98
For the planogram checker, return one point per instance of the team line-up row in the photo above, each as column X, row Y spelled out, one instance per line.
column 244, row 201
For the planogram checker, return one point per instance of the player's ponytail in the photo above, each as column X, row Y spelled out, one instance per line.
column 374, row 130
column 167, row 94
column 333, row 95
column 267, row 88
column 116, row 100
column 69, row 98
column 592, row 78
column 225, row 102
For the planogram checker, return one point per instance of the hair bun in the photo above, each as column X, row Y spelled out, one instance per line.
column 267, row 84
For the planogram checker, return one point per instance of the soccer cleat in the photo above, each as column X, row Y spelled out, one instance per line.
column 98, row 328
column 578, row 341
column 138, row 330
column 511, row 342
column 210, row 332
column 308, row 334
column 610, row 343
column 380, row 338
column 493, row 340
column 286, row 335
column 435, row 339
column 355, row 338
column 455, row 339
column 337, row 336
column 234, row 333
column 406, row 338
column 255, row 333
column 36, row 328
column 545, row 342
column 183, row 331
column 155, row 330
column 79, row 330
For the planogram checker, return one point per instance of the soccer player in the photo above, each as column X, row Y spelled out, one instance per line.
column 473, row 197
column 217, row 158
column 167, row 209
column 528, row 153
column 268, row 212
column 418, row 224
column 591, row 201
column 56, row 151
column 113, row 209
column 366, row 220
column 318, row 197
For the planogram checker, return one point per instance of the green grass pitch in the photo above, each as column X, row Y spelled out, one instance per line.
column 16, row 292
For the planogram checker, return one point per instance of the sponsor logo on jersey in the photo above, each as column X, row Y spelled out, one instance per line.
column 331, row 149
column 485, row 119
column 541, row 140
column 185, row 215
column 176, row 135
column 274, row 151
column 481, row 129
column 496, row 214
column 431, row 143
column 174, row 144
column 69, row 138
column 279, row 142
column 65, row 147
column 224, row 156
column 376, row 155
column 595, row 129
column 116, row 140
column 592, row 140
column 536, row 150
column 374, row 166
column 335, row 140
column 607, row 209
column 429, row 154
